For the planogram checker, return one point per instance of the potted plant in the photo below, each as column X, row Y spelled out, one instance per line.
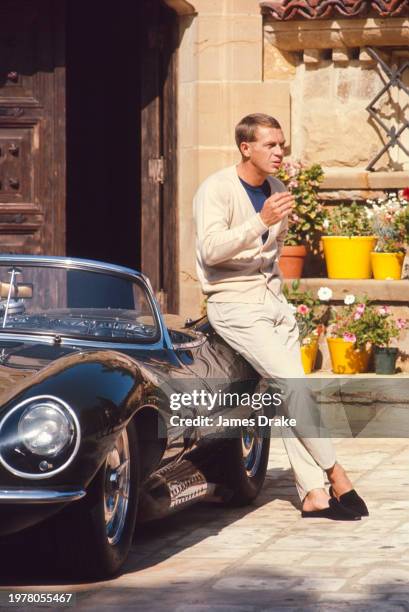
column 349, row 336
column 307, row 217
column 385, row 329
column 310, row 320
column 388, row 221
column 348, row 242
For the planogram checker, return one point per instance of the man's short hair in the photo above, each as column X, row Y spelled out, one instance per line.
column 246, row 128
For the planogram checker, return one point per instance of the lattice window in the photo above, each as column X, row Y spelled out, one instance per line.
column 393, row 79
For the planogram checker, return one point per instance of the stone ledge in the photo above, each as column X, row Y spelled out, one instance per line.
column 332, row 34
column 379, row 291
column 361, row 179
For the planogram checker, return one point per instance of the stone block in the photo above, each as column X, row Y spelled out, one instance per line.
column 226, row 7
column 187, row 60
column 341, row 56
column 187, row 177
column 316, row 84
column 187, row 124
column 384, row 180
column 216, row 7
column 312, row 56
column 213, row 159
column 321, row 127
column 365, row 58
column 362, row 179
column 229, row 48
column 277, row 64
column 379, row 291
column 222, row 105
column 330, row 34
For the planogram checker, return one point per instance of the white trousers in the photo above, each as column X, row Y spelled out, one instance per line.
column 267, row 337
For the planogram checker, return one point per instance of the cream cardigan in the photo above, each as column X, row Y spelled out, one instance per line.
column 233, row 264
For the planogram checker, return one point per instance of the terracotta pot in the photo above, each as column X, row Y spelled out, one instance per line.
column 292, row 261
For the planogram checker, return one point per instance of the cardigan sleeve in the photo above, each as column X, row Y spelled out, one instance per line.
column 281, row 235
column 217, row 241
column 276, row 187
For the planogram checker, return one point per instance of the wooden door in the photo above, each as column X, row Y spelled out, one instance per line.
column 159, row 231
column 32, row 127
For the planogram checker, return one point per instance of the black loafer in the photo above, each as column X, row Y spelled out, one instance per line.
column 335, row 512
column 352, row 501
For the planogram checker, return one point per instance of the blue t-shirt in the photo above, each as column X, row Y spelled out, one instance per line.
column 258, row 195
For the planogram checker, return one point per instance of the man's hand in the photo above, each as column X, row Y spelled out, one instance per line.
column 276, row 207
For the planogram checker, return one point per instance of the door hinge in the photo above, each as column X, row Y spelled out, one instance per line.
column 156, row 169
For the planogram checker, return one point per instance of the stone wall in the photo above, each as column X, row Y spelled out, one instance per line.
column 220, row 81
column 317, row 78
column 332, row 84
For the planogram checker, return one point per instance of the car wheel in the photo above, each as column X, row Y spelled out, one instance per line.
column 245, row 459
column 98, row 530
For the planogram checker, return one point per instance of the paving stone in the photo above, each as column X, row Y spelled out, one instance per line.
column 387, row 580
column 266, row 557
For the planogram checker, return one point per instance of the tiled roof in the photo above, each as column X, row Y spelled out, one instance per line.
column 284, row 10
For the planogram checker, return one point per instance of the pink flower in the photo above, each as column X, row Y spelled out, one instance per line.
column 295, row 218
column 401, row 323
column 348, row 337
column 384, row 310
column 293, row 184
column 303, row 309
column 360, row 308
column 357, row 316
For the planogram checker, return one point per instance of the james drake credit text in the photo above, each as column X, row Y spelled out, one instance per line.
column 206, row 421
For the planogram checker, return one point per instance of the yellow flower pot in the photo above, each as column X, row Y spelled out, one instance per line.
column 387, row 266
column 348, row 257
column 345, row 358
column 309, row 356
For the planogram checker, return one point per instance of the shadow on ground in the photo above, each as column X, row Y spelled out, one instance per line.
column 29, row 558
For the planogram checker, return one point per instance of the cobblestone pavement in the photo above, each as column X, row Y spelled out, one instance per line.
column 265, row 557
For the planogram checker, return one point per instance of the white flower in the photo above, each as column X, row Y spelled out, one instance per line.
column 325, row 224
column 324, row 294
column 349, row 299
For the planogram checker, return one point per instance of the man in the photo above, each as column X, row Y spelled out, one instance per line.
column 241, row 216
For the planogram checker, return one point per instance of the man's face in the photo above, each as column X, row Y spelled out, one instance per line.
column 267, row 151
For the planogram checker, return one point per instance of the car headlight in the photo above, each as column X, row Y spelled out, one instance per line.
column 39, row 437
column 45, row 429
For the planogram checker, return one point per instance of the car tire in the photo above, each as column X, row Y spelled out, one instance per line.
column 245, row 459
column 98, row 530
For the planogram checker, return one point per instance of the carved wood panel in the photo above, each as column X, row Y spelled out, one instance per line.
column 32, row 128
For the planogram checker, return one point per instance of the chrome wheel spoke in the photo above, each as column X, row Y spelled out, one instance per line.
column 117, row 486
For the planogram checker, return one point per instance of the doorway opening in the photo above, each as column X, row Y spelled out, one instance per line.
column 103, row 80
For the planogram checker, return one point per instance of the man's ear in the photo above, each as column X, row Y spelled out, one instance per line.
column 245, row 149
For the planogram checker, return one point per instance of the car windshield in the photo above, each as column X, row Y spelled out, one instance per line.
column 74, row 302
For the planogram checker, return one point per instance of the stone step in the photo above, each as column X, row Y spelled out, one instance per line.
column 382, row 291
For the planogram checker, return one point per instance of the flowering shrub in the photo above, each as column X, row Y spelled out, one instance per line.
column 347, row 220
column 361, row 322
column 308, row 312
column 308, row 214
column 388, row 217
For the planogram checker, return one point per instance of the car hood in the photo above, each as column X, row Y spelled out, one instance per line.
column 21, row 361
